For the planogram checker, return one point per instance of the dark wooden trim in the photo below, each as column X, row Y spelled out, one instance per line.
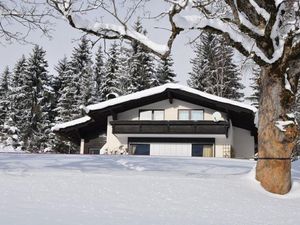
column 169, row 127
column 171, row 140
column 114, row 114
column 170, row 96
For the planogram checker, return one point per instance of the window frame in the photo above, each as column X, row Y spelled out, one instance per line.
column 190, row 114
column 152, row 113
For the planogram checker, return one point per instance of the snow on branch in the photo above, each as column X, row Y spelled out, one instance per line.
column 261, row 32
column 281, row 125
column 106, row 30
column 247, row 43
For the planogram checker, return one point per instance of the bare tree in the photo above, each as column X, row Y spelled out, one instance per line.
column 265, row 30
column 19, row 17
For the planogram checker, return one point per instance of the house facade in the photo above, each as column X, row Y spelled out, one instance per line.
column 170, row 120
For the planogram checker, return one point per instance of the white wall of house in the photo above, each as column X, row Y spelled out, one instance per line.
column 239, row 139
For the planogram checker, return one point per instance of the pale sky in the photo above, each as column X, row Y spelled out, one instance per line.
column 64, row 38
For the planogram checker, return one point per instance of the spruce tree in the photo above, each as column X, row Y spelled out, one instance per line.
column 213, row 69
column 254, row 97
column 4, row 95
column 227, row 79
column 165, row 73
column 66, row 104
column 205, row 51
column 19, row 111
column 110, row 83
column 81, row 68
column 67, row 107
column 141, row 65
column 99, row 74
column 39, row 94
column 123, row 73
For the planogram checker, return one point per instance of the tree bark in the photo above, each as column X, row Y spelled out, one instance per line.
column 274, row 145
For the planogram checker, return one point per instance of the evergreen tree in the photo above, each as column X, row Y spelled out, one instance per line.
column 39, row 94
column 201, row 75
column 81, row 68
column 141, row 65
column 254, row 97
column 67, row 107
column 4, row 95
column 110, row 83
column 165, row 73
column 227, row 79
column 99, row 74
column 18, row 118
column 123, row 73
column 213, row 70
column 66, row 104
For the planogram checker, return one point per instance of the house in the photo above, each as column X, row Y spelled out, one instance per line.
column 171, row 119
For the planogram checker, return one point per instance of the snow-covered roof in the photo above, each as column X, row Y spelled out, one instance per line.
column 71, row 123
column 161, row 89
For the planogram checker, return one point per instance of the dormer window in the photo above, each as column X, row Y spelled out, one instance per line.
column 190, row 114
column 155, row 114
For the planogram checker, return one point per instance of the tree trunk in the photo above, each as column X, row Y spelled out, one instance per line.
column 275, row 146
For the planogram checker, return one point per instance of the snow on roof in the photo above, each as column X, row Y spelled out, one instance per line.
column 71, row 123
column 160, row 89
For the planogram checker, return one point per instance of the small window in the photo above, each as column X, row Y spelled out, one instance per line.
column 146, row 115
column 183, row 114
column 158, row 115
column 190, row 114
column 197, row 115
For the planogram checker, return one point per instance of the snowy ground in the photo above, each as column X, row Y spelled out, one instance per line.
column 121, row 190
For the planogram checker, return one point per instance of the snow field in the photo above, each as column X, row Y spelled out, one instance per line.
column 90, row 190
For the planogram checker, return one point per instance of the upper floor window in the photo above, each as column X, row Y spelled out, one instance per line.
column 190, row 114
column 155, row 114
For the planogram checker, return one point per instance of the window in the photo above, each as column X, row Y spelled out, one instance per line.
column 146, row 115
column 201, row 150
column 190, row 114
column 140, row 149
column 183, row 114
column 197, row 115
column 156, row 114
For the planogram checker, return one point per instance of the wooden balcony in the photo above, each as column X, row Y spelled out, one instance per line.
column 169, row 127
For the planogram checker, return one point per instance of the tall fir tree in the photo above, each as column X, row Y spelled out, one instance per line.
column 205, row 51
column 81, row 68
column 123, row 73
column 18, row 116
column 213, row 69
column 254, row 97
column 164, row 72
column 40, row 94
column 110, row 83
column 67, row 107
column 141, row 65
column 4, row 95
column 99, row 74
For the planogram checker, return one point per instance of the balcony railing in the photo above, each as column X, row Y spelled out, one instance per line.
column 169, row 127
